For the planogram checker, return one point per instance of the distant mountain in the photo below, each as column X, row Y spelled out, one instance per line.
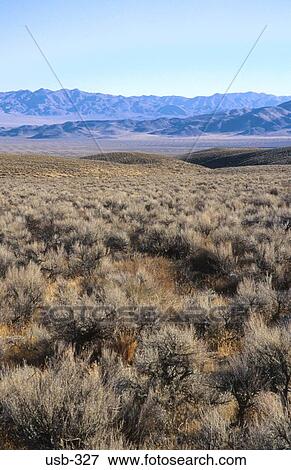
column 103, row 106
column 258, row 121
column 286, row 106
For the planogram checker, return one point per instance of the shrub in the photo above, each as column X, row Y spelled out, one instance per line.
column 214, row 433
column 175, row 360
column 258, row 297
column 244, row 380
column 7, row 260
column 270, row 349
column 272, row 430
column 161, row 240
column 84, row 260
column 64, row 406
column 55, row 263
column 117, row 242
column 22, row 292
column 81, row 324
column 33, row 347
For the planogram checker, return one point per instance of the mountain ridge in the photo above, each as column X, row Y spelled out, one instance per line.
column 101, row 106
column 258, row 121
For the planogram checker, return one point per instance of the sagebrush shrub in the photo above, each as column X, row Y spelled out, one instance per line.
column 244, row 380
column 7, row 259
column 22, row 292
column 64, row 406
column 270, row 349
column 258, row 297
column 215, row 432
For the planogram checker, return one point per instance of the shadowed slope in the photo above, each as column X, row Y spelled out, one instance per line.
column 231, row 157
column 129, row 158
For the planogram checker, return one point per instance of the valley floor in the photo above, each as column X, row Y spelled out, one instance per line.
column 75, row 146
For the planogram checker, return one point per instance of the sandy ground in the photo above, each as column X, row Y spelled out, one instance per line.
column 15, row 120
column 84, row 146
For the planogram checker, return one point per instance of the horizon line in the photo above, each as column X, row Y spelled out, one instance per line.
column 144, row 95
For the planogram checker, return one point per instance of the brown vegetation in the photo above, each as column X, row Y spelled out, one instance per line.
column 144, row 306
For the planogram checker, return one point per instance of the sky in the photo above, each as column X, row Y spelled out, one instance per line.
column 143, row 47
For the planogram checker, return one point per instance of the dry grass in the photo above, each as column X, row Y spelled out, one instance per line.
column 185, row 275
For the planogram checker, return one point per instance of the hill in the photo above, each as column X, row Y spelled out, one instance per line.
column 108, row 166
column 131, row 158
column 234, row 157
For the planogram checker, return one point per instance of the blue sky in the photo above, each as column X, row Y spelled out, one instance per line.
column 135, row 47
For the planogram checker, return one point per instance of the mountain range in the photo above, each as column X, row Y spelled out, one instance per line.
column 257, row 121
column 48, row 103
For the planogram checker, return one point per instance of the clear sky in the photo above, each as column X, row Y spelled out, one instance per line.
column 135, row 47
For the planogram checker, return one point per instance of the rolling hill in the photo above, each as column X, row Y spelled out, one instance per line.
column 210, row 158
column 132, row 158
column 235, row 157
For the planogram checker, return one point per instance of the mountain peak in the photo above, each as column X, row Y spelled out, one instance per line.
column 44, row 102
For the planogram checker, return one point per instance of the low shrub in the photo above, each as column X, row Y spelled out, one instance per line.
column 22, row 292
column 65, row 406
